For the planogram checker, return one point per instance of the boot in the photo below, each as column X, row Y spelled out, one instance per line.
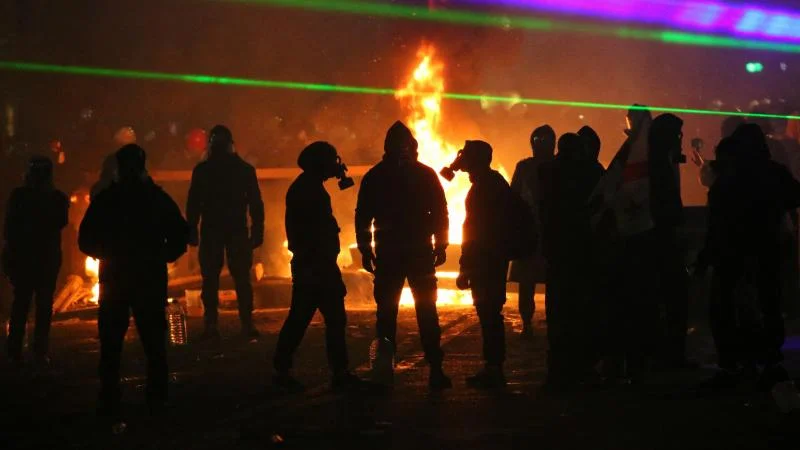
column 383, row 368
column 490, row 377
column 527, row 332
column 437, row 380
column 347, row 381
column 287, row 382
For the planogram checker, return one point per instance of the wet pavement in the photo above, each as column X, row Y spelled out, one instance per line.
column 222, row 397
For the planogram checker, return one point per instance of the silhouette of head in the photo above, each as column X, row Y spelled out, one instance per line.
column 543, row 142
column 130, row 163
column 399, row 142
column 475, row 157
column 592, row 141
column 637, row 118
column 666, row 136
column 319, row 159
column 40, row 172
column 729, row 125
column 751, row 142
column 571, row 146
column 220, row 140
column 726, row 150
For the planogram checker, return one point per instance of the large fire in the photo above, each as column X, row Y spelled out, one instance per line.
column 422, row 96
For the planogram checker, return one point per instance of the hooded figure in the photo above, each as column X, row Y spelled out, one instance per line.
column 224, row 190
column 134, row 228
column 403, row 201
column 313, row 235
column 565, row 186
column 620, row 207
column 525, row 182
column 666, row 207
column 747, row 209
column 35, row 215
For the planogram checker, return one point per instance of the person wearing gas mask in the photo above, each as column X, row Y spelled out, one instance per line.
column 620, row 208
column 313, row 235
column 484, row 254
column 566, row 183
column 530, row 270
column 35, row 215
column 134, row 228
column 223, row 191
column 405, row 203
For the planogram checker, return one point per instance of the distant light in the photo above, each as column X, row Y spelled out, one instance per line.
column 581, row 117
column 784, row 66
column 754, row 67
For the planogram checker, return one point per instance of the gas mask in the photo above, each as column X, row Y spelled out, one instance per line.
column 345, row 182
column 449, row 172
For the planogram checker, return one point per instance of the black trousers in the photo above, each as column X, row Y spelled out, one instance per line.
column 568, row 324
column 326, row 293
column 391, row 273
column 672, row 294
column 116, row 305
column 38, row 284
column 213, row 249
column 738, row 339
column 633, row 315
column 489, row 295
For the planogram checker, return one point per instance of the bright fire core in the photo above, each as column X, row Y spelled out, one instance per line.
column 422, row 97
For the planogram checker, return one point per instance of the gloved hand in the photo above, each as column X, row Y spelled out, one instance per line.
column 256, row 240
column 194, row 237
column 368, row 260
column 463, row 282
column 439, row 256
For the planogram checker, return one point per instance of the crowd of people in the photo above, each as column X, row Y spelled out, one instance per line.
column 604, row 242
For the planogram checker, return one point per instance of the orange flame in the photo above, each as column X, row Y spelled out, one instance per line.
column 92, row 269
column 422, row 97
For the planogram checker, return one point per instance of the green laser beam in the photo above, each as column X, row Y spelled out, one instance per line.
column 22, row 66
column 465, row 17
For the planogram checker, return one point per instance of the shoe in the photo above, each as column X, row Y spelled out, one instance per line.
column 383, row 368
column 490, row 377
column 42, row 361
column 437, row 380
column 347, row 381
column 723, row 380
column 527, row 332
column 211, row 333
column 288, row 383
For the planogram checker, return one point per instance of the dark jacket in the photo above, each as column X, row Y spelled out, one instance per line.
column 33, row 224
column 311, row 229
column 223, row 189
column 566, row 185
column 747, row 207
column 406, row 203
column 134, row 230
column 487, row 222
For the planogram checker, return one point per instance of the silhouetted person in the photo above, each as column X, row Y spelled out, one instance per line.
column 666, row 207
column 134, row 228
column 107, row 174
column 746, row 208
column 35, row 215
column 525, row 182
column 621, row 209
column 224, row 189
column 565, row 185
column 313, row 236
column 592, row 141
column 404, row 201
column 484, row 255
